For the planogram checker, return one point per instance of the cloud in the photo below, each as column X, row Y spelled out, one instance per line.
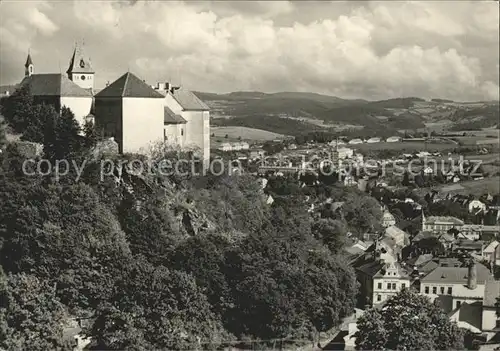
column 41, row 22
column 367, row 50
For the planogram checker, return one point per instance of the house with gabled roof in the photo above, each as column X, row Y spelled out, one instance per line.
column 379, row 273
column 132, row 112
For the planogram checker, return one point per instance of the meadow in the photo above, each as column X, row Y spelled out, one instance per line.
column 245, row 133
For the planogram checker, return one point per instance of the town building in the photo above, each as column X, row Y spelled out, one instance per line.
column 373, row 140
column 355, row 141
column 393, row 139
column 491, row 253
column 476, row 205
column 490, row 321
column 440, row 224
column 388, row 219
column 453, row 286
column 379, row 273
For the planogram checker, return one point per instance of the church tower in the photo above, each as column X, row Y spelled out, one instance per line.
column 80, row 69
column 29, row 68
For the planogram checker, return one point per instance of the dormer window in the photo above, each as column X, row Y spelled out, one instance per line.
column 82, row 63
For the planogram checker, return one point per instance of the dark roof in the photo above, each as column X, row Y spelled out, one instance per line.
column 491, row 293
column 189, row 101
column 371, row 267
column 54, row 84
column 468, row 244
column 457, row 275
column 28, row 61
column 129, row 85
column 78, row 63
column 169, row 117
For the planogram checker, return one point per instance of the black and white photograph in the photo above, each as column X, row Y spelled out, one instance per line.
column 249, row 175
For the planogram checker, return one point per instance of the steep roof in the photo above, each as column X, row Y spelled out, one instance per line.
column 54, row 84
column 189, row 101
column 457, row 275
column 28, row 61
column 79, row 63
column 169, row 117
column 129, row 85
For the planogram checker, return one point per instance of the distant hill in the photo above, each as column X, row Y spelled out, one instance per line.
column 441, row 100
column 294, row 113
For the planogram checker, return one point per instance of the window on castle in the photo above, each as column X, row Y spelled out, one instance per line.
column 426, row 289
column 379, row 297
column 403, row 286
column 434, row 290
column 393, row 286
column 388, row 286
column 379, row 286
column 458, row 303
column 182, row 131
column 449, row 290
column 442, row 290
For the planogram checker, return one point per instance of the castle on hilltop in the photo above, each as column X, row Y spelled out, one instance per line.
column 134, row 113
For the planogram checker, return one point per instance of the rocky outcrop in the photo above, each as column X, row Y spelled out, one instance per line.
column 105, row 147
column 195, row 222
column 28, row 149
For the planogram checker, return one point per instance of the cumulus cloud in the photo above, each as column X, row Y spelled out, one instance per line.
column 367, row 50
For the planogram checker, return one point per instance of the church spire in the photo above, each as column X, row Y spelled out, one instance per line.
column 79, row 63
column 28, row 66
column 80, row 68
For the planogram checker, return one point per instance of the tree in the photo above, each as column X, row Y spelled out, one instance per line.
column 3, row 133
column 161, row 309
column 62, row 138
column 65, row 235
column 332, row 233
column 408, row 321
column 362, row 213
column 431, row 245
column 92, row 135
column 42, row 119
column 204, row 258
column 406, row 179
column 275, row 276
column 17, row 109
column 372, row 334
column 31, row 317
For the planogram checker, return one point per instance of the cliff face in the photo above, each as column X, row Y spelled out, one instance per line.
column 188, row 217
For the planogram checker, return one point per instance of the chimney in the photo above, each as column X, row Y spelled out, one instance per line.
column 161, row 86
column 168, row 86
column 472, row 275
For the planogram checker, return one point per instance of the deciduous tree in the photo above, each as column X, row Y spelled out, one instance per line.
column 408, row 321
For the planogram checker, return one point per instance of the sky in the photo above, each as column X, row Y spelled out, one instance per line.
column 350, row 49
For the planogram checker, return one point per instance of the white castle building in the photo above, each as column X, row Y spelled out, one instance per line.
column 133, row 112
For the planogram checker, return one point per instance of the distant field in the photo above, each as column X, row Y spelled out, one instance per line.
column 476, row 187
column 409, row 146
column 245, row 133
